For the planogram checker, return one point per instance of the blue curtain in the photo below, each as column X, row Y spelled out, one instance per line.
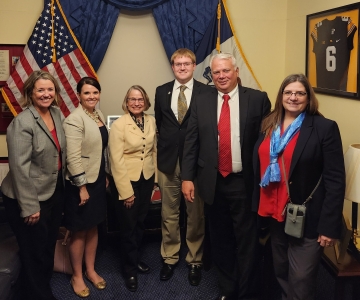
column 135, row 4
column 93, row 23
column 183, row 23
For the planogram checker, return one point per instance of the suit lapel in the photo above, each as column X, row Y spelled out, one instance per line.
column 57, row 123
column 212, row 103
column 41, row 123
column 146, row 124
column 305, row 132
column 133, row 128
column 168, row 94
column 244, row 105
column 196, row 89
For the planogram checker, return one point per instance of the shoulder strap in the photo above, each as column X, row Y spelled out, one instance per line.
column 287, row 184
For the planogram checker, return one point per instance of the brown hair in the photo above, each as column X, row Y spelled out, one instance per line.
column 183, row 52
column 88, row 80
column 29, row 86
column 276, row 116
column 139, row 88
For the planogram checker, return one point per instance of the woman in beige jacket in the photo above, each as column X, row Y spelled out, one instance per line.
column 132, row 145
column 85, row 204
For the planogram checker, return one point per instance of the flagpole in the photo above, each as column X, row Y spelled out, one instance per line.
column 218, row 33
column 52, row 42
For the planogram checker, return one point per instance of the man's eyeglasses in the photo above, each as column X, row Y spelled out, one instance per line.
column 133, row 100
column 297, row 94
column 185, row 64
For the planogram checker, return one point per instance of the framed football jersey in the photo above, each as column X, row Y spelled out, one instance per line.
column 332, row 51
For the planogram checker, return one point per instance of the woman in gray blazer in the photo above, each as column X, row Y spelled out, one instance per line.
column 33, row 188
column 85, row 205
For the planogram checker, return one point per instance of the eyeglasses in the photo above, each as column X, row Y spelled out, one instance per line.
column 297, row 94
column 133, row 100
column 185, row 64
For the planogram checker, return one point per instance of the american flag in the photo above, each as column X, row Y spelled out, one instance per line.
column 52, row 47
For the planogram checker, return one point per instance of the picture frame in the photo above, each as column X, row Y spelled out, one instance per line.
column 332, row 51
column 6, row 115
column 111, row 119
column 9, row 56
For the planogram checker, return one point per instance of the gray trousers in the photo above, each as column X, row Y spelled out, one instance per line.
column 296, row 263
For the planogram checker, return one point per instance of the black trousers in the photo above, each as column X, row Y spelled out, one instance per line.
column 132, row 224
column 233, row 238
column 37, row 244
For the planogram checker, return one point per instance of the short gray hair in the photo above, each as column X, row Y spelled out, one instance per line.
column 224, row 56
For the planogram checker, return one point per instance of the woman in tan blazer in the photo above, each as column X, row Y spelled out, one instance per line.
column 33, row 188
column 132, row 145
column 85, row 205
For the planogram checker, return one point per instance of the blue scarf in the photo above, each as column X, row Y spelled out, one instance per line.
column 277, row 146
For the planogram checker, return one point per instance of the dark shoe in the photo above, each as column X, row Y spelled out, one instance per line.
column 143, row 268
column 167, row 271
column 194, row 274
column 131, row 283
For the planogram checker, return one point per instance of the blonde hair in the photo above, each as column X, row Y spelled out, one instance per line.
column 139, row 88
column 29, row 86
column 183, row 52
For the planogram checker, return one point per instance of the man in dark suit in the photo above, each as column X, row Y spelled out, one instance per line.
column 172, row 101
column 223, row 127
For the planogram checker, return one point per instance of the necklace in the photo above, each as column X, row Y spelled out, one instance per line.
column 94, row 115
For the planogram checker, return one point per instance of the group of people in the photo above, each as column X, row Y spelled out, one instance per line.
column 234, row 162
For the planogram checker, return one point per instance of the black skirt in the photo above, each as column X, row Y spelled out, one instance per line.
column 85, row 217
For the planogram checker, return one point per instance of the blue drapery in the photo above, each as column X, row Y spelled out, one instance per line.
column 135, row 4
column 182, row 23
column 93, row 23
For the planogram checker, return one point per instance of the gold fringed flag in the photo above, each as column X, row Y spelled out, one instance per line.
column 220, row 37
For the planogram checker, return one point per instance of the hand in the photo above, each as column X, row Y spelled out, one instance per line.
column 107, row 182
column 188, row 190
column 129, row 202
column 325, row 241
column 32, row 219
column 84, row 195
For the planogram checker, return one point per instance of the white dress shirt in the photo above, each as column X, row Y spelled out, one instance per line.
column 175, row 95
column 235, row 127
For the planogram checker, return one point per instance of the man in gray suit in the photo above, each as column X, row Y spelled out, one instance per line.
column 172, row 110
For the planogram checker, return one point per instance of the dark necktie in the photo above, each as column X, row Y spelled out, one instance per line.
column 182, row 104
column 224, row 129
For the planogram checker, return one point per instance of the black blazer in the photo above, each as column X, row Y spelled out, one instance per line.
column 201, row 144
column 171, row 138
column 318, row 151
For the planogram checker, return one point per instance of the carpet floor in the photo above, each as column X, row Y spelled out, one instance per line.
column 177, row 288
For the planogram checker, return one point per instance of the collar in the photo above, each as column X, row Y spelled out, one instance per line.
column 188, row 84
column 231, row 94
